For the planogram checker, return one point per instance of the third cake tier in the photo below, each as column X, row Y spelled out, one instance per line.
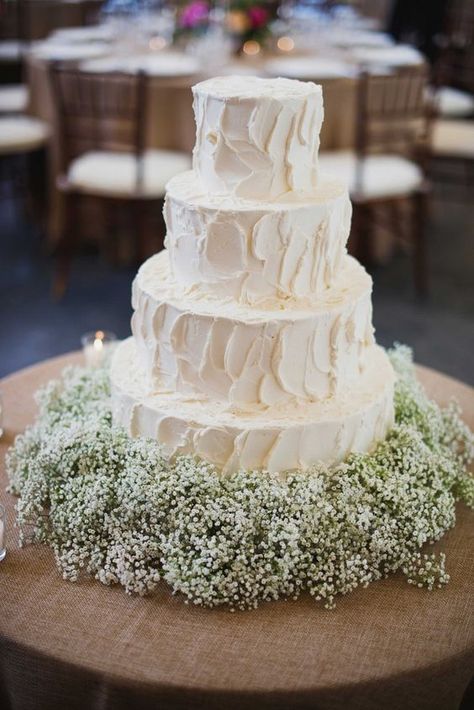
column 219, row 349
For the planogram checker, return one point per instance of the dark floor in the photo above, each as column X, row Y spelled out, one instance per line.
column 33, row 327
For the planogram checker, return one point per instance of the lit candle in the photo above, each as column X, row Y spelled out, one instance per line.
column 157, row 43
column 96, row 345
column 251, row 47
column 286, row 44
column 3, row 551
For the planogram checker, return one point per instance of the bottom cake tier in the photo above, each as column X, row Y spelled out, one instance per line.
column 276, row 440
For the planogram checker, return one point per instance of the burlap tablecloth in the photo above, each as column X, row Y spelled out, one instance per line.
column 68, row 646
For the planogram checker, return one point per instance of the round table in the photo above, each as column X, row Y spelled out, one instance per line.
column 84, row 645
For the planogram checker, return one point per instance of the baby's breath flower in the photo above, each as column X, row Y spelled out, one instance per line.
column 117, row 509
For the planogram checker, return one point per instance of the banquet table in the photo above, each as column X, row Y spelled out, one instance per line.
column 83, row 645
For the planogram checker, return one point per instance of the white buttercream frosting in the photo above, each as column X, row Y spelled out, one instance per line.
column 253, row 252
column 277, row 441
column 253, row 342
column 219, row 349
column 257, row 138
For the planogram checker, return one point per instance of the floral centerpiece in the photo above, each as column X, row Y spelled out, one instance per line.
column 244, row 20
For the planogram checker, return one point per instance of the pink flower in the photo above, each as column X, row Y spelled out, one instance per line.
column 196, row 13
column 258, row 16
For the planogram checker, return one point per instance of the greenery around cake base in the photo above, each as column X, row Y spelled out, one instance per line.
column 118, row 509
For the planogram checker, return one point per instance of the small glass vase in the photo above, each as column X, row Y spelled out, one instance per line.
column 96, row 345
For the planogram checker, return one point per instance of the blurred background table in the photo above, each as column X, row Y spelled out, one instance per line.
column 403, row 236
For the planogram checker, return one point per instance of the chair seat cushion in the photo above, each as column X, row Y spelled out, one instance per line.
column 114, row 174
column 21, row 134
column 10, row 50
column 453, row 103
column 382, row 175
column 453, row 138
column 13, row 98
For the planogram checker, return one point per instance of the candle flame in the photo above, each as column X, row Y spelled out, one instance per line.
column 99, row 340
column 251, row 47
column 285, row 44
column 157, row 43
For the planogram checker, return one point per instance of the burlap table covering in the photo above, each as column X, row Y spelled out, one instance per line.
column 83, row 645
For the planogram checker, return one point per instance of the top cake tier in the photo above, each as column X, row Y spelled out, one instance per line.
column 257, row 138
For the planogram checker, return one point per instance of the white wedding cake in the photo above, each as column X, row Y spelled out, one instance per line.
column 252, row 338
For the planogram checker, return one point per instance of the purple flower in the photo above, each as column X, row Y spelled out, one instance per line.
column 258, row 16
column 196, row 13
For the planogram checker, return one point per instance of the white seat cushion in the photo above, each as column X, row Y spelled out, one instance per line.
column 20, row 134
column 114, row 174
column 13, row 98
column 453, row 138
column 382, row 175
column 401, row 55
column 453, row 103
column 10, row 50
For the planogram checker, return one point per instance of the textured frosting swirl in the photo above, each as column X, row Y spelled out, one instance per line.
column 277, row 441
column 247, row 357
column 255, row 253
column 257, row 138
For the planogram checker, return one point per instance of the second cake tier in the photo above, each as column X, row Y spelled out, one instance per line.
column 244, row 357
column 256, row 252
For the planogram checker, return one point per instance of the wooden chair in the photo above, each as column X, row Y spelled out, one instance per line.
column 23, row 163
column 386, row 169
column 453, row 71
column 453, row 93
column 12, row 41
column 101, row 120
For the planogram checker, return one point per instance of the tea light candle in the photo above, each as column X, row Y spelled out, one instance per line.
column 3, row 550
column 95, row 346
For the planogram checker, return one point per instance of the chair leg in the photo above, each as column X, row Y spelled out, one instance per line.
column 141, row 213
column 419, row 244
column 363, row 244
column 36, row 186
column 397, row 221
column 65, row 247
column 110, row 214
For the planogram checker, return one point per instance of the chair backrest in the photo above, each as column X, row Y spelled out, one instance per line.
column 11, row 20
column 99, row 111
column 29, row 20
column 392, row 111
column 455, row 63
column 459, row 22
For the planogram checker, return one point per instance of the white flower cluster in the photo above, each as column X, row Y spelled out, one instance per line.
column 118, row 509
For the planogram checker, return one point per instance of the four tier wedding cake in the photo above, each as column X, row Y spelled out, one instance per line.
column 252, row 338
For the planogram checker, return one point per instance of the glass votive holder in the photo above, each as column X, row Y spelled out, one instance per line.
column 96, row 345
column 3, row 549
